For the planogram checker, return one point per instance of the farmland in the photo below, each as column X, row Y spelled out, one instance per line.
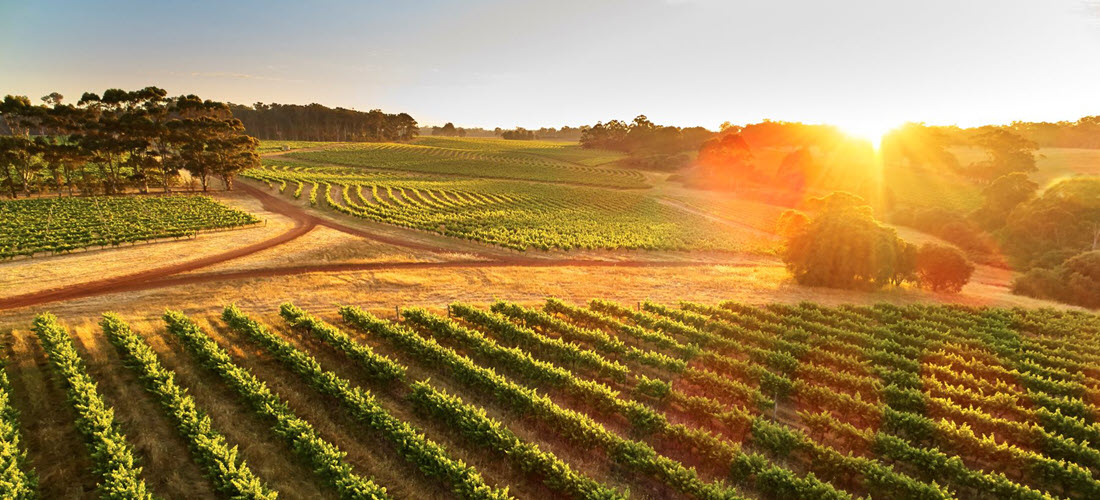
column 538, row 161
column 508, row 214
column 543, row 251
column 597, row 400
column 58, row 225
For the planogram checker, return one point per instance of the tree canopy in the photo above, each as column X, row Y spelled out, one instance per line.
column 314, row 122
column 103, row 144
column 1063, row 221
column 843, row 246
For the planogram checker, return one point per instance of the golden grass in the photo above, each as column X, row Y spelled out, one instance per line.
column 168, row 468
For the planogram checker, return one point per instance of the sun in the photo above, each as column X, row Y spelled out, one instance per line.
column 872, row 132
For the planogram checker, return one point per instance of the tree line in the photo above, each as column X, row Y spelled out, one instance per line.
column 104, row 144
column 565, row 133
column 1082, row 133
column 314, row 122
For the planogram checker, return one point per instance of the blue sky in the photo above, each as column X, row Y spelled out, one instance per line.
column 861, row 64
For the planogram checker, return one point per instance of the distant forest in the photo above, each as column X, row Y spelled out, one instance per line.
column 566, row 133
column 314, row 122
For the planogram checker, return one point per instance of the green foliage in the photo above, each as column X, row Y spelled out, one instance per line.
column 60, row 225
column 326, row 460
column 579, row 428
column 942, row 268
column 376, row 366
column 113, row 458
column 229, row 473
column 519, row 216
column 844, row 247
column 426, row 455
column 1075, row 281
column 914, row 402
column 478, row 427
column 1007, row 153
column 493, row 161
column 1063, row 221
column 564, row 351
column 1001, row 196
column 18, row 480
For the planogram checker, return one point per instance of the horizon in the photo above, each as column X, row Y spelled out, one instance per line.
column 498, row 64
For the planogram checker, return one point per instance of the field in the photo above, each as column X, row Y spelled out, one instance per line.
column 513, row 215
column 603, row 400
column 277, row 146
column 450, row 375
column 59, row 225
column 486, row 158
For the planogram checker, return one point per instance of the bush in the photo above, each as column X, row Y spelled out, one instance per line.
column 1075, row 281
column 942, row 268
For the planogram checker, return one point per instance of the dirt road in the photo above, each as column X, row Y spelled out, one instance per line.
column 173, row 275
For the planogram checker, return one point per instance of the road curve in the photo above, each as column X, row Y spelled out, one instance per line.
column 169, row 276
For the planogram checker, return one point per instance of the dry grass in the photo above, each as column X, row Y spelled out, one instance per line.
column 264, row 452
column 323, row 245
column 54, row 448
column 754, row 280
column 168, row 468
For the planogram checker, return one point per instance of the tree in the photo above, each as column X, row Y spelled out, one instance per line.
column 314, row 122
column 842, row 246
column 1001, row 196
column 16, row 154
column 796, row 171
column 942, row 268
column 1063, row 221
column 791, row 223
column 725, row 162
column 123, row 139
column 19, row 159
column 918, row 145
column 519, row 134
column 1006, row 153
column 448, row 130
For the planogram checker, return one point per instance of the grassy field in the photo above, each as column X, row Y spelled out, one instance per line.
column 561, row 400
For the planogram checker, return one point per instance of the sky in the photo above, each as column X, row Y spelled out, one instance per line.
column 861, row 64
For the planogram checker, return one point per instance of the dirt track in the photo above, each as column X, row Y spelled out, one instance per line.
column 168, row 276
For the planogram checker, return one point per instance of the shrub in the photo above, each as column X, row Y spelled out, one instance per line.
column 942, row 268
column 1075, row 281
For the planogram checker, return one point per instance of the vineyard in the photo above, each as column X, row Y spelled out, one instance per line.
column 603, row 400
column 59, row 225
column 519, row 216
column 486, row 158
